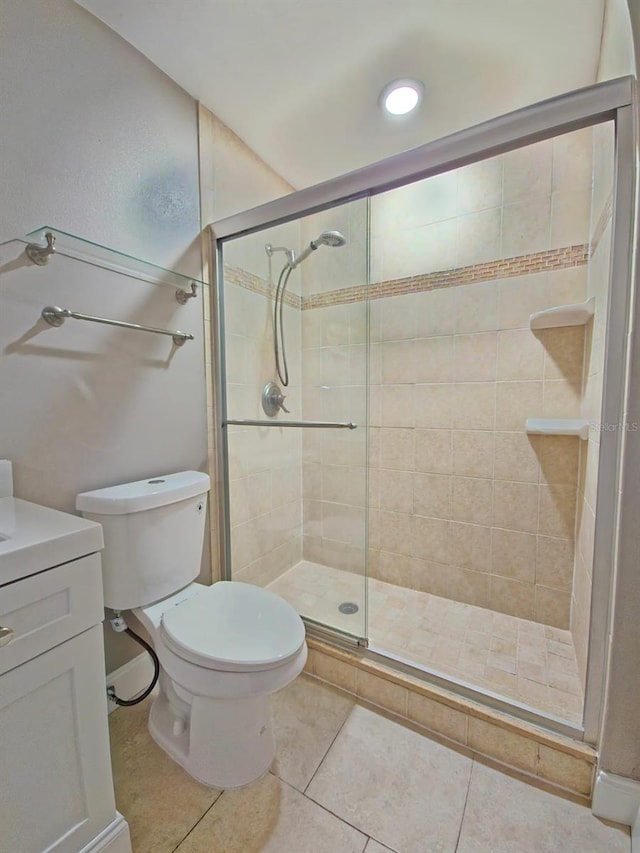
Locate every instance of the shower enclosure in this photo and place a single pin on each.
(413, 430)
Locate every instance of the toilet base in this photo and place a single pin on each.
(225, 743)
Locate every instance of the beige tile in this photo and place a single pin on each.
(335, 671)
(564, 353)
(472, 500)
(430, 577)
(561, 399)
(559, 459)
(517, 457)
(431, 539)
(525, 226)
(520, 355)
(523, 295)
(396, 449)
(505, 815)
(512, 597)
(161, 802)
(397, 532)
(474, 404)
(307, 716)
(381, 692)
(553, 606)
(432, 495)
(433, 406)
(506, 746)
(438, 717)
(434, 359)
(469, 586)
(370, 777)
(475, 357)
(473, 453)
(527, 172)
(516, 506)
(513, 555)
(434, 312)
(565, 770)
(570, 212)
(270, 816)
(396, 491)
(557, 511)
(554, 562)
(433, 452)
(476, 307)
(470, 546)
(398, 361)
(396, 406)
(515, 402)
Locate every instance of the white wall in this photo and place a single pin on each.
(98, 142)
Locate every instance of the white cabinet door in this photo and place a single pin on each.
(55, 771)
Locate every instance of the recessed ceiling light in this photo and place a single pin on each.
(401, 96)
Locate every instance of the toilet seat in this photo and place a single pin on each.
(235, 627)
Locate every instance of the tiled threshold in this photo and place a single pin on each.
(508, 742)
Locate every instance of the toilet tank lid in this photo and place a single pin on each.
(144, 494)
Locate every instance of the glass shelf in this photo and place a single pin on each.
(71, 246)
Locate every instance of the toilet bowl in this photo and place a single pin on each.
(223, 649)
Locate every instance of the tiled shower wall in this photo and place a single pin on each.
(464, 503)
(265, 465)
(597, 286)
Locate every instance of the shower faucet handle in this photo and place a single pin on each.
(273, 400)
(282, 405)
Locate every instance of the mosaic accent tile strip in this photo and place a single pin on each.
(242, 278)
(552, 259)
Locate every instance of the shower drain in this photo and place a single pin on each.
(348, 607)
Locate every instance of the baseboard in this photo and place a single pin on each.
(618, 799)
(132, 678)
(114, 839)
(635, 835)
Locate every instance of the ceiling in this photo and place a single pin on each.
(299, 81)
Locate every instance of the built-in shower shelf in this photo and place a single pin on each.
(558, 426)
(72, 246)
(577, 314)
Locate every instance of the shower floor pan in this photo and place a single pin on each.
(525, 661)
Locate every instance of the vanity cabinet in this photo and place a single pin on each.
(56, 790)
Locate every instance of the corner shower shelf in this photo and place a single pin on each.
(558, 426)
(577, 314)
(71, 246)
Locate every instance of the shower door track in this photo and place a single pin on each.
(617, 534)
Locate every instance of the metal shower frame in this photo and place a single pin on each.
(617, 533)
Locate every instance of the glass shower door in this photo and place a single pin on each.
(296, 473)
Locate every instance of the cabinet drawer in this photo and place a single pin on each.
(46, 609)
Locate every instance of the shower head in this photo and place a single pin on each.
(327, 238)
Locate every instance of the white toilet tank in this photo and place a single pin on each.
(153, 536)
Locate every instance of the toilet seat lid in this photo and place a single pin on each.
(234, 626)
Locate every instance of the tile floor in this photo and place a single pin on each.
(346, 780)
(524, 661)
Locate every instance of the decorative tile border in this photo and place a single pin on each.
(552, 259)
(549, 260)
(242, 278)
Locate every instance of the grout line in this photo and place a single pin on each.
(202, 816)
(464, 808)
(322, 760)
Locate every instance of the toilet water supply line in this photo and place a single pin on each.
(120, 627)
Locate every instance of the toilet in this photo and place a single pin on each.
(222, 649)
